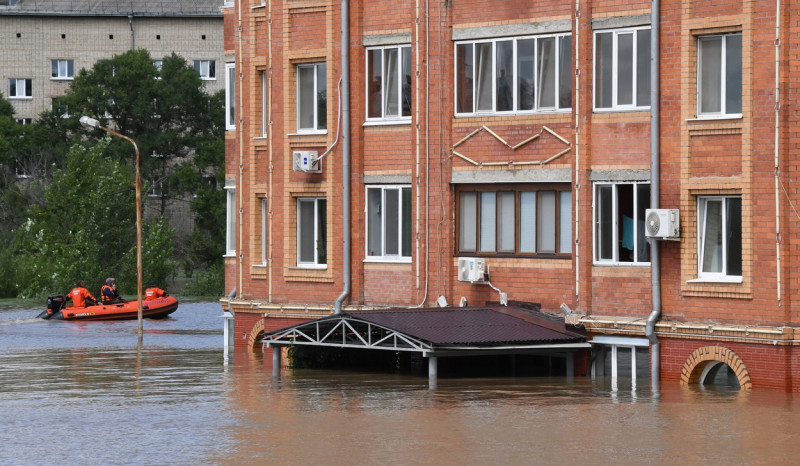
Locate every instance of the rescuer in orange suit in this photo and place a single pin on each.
(80, 296)
(153, 291)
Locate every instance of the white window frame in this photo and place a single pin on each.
(230, 96)
(382, 255)
(264, 218)
(316, 117)
(723, 112)
(230, 221)
(62, 69)
(702, 212)
(24, 121)
(319, 222)
(635, 69)
(204, 69)
(515, 106)
(264, 122)
(638, 235)
(384, 78)
(26, 87)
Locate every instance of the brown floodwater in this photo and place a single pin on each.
(88, 393)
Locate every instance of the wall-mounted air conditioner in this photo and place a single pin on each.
(471, 269)
(662, 223)
(306, 161)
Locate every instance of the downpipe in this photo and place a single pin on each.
(655, 267)
(337, 307)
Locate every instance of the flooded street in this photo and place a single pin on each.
(86, 393)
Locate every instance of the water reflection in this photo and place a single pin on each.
(90, 394)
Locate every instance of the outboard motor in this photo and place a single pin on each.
(54, 305)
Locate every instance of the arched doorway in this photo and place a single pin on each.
(716, 366)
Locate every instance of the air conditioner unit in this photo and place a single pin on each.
(662, 223)
(471, 269)
(306, 161)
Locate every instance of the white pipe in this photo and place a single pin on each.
(576, 245)
(777, 151)
(240, 173)
(270, 150)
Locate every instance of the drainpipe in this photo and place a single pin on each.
(133, 37)
(655, 268)
(337, 307)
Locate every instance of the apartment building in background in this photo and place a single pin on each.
(524, 138)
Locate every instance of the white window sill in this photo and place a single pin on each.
(388, 122)
(259, 138)
(731, 279)
(622, 109)
(61, 79)
(230, 128)
(207, 79)
(309, 267)
(620, 264)
(229, 254)
(736, 116)
(513, 114)
(308, 133)
(13, 97)
(388, 260)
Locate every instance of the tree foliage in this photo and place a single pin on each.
(85, 229)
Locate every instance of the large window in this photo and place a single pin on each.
(230, 221)
(311, 232)
(719, 70)
(527, 74)
(264, 100)
(522, 220)
(719, 220)
(619, 218)
(62, 69)
(20, 88)
(622, 69)
(206, 68)
(312, 97)
(389, 82)
(264, 220)
(389, 222)
(230, 96)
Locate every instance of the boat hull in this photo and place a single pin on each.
(154, 309)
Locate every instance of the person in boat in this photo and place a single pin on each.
(153, 291)
(80, 296)
(109, 293)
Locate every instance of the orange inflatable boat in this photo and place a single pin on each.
(154, 309)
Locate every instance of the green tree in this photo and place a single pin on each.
(85, 229)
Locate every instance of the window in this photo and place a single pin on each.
(24, 121)
(389, 82)
(523, 220)
(20, 88)
(622, 69)
(159, 64)
(311, 232)
(719, 243)
(206, 68)
(264, 122)
(264, 219)
(719, 75)
(230, 96)
(619, 218)
(389, 222)
(62, 69)
(312, 99)
(230, 220)
(527, 74)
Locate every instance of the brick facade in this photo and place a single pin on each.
(437, 153)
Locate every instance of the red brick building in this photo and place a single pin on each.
(521, 134)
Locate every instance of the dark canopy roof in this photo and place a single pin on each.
(114, 7)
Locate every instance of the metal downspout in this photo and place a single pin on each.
(655, 268)
(133, 36)
(337, 308)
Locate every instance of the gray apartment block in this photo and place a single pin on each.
(45, 42)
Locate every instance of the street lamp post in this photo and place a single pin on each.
(92, 123)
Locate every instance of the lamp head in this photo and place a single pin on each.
(89, 122)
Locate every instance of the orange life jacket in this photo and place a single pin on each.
(79, 295)
(153, 293)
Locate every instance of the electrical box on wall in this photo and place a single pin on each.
(471, 269)
(306, 161)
